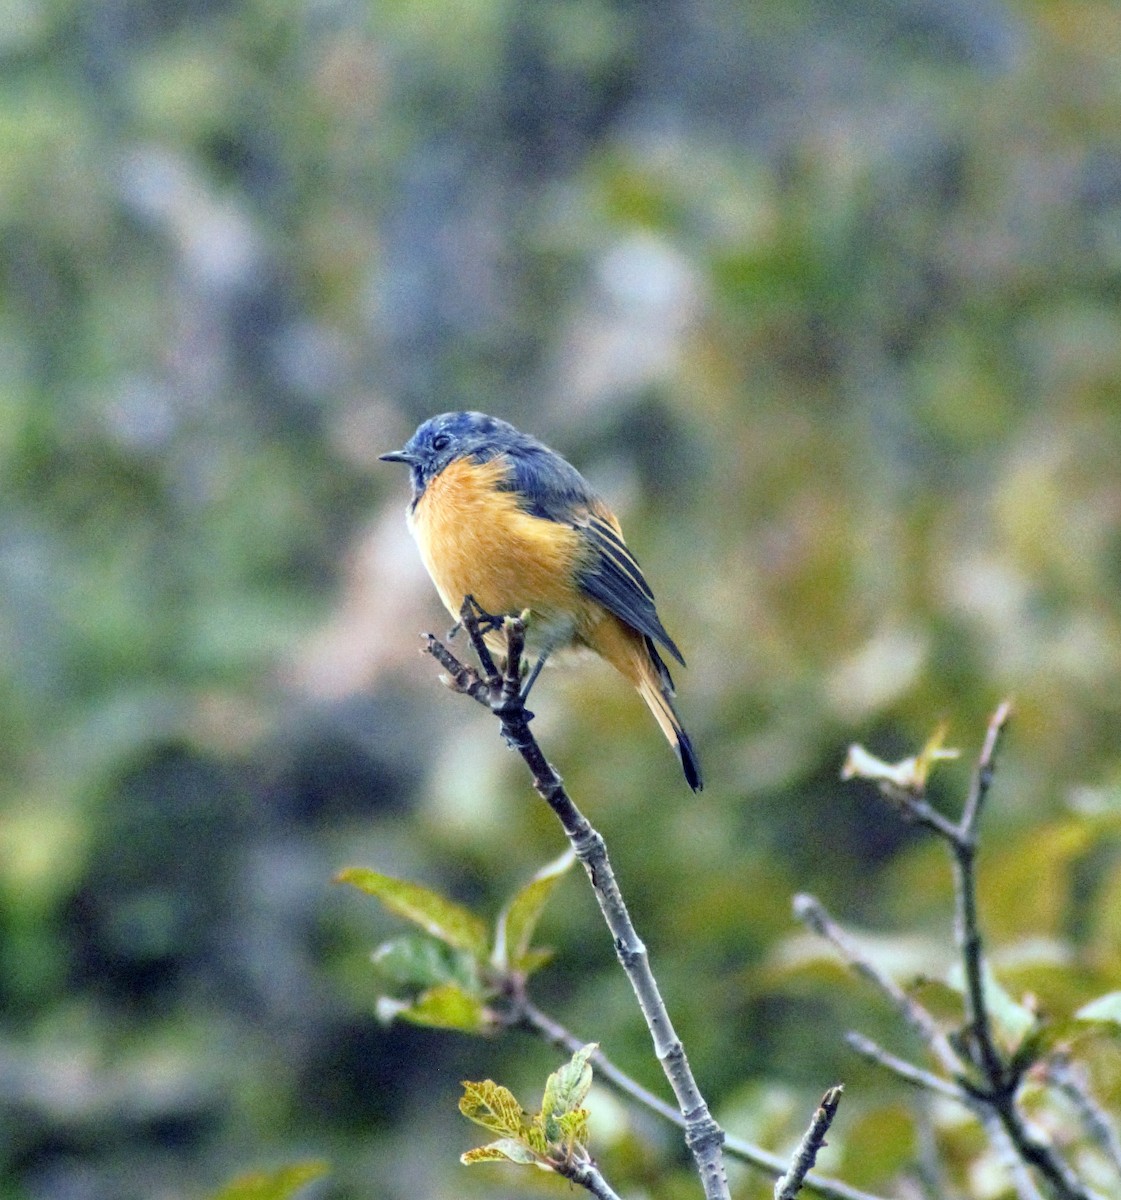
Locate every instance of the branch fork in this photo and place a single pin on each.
(502, 692)
(977, 1072)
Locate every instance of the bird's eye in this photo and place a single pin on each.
(441, 441)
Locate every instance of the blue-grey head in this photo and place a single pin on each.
(450, 436)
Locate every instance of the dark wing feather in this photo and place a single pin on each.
(549, 487)
(614, 578)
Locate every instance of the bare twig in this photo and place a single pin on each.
(1034, 1148)
(983, 775)
(774, 1164)
(1061, 1073)
(810, 911)
(916, 808)
(998, 1113)
(1022, 1180)
(906, 1071)
(703, 1135)
(963, 844)
(790, 1184)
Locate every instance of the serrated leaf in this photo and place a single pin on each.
(518, 920)
(416, 960)
(504, 1150)
(439, 916)
(566, 1089)
(447, 1006)
(535, 1137)
(1104, 1010)
(573, 1126)
(493, 1107)
(273, 1185)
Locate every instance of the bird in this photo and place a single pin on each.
(502, 519)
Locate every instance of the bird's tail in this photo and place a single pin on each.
(656, 687)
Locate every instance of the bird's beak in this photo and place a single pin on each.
(398, 456)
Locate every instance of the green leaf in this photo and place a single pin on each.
(439, 916)
(518, 920)
(535, 960)
(566, 1089)
(272, 1185)
(573, 1127)
(493, 1107)
(447, 1006)
(504, 1150)
(1105, 1009)
(416, 960)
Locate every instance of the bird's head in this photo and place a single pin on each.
(450, 436)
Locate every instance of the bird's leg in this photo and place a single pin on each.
(510, 707)
(478, 623)
(532, 679)
(485, 622)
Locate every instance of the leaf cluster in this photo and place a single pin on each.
(454, 970)
(554, 1138)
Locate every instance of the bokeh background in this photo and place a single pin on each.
(822, 294)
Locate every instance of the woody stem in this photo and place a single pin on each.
(703, 1135)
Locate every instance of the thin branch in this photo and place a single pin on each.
(964, 847)
(459, 678)
(789, 1185)
(983, 776)
(470, 617)
(995, 1097)
(961, 838)
(775, 1165)
(1002, 1078)
(916, 808)
(1022, 1181)
(810, 911)
(588, 1176)
(1061, 1073)
(906, 1071)
(703, 1135)
(531, 1018)
(1033, 1147)
(982, 1110)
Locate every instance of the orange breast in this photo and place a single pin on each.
(475, 540)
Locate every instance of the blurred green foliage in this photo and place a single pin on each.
(824, 296)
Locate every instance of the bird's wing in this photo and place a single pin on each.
(613, 577)
(551, 488)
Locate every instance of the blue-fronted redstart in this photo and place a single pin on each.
(500, 517)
